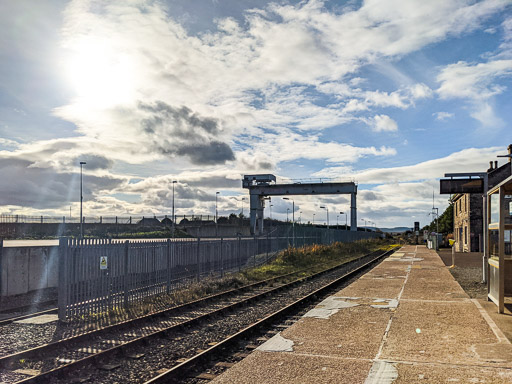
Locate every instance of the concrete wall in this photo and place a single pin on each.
(26, 269)
(223, 230)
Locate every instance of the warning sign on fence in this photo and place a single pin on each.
(103, 262)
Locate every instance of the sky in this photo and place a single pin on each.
(388, 94)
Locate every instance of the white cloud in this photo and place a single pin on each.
(8, 143)
(467, 160)
(442, 116)
(383, 123)
(472, 81)
(477, 84)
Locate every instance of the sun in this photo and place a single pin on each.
(100, 74)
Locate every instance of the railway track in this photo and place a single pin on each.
(21, 313)
(96, 356)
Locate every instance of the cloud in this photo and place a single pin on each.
(94, 162)
(245, 75)
(477, 84)
(383, 123)
(442, 116)
(467, 160)
(179, 131)
(8, 143)
(472, 81)
(24, 184)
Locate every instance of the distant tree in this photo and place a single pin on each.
(445, 222)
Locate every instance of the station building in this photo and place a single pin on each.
(468, 211)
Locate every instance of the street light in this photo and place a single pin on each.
(344, 213)
(243, 198)
(313, 218)
(300, 217)
(364, 224)
(327, 209)
(328, 228)
(173, 215)
(216, 215)
(81, 202)
(293, 217)
(287, 210)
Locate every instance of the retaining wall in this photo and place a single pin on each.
(25, 269)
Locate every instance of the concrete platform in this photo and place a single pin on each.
(406, 321)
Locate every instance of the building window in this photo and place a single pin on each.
(465, 235)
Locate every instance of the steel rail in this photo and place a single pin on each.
(60, 344)
(181, 370)
(93, 358)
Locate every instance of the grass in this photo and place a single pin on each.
(316, 257)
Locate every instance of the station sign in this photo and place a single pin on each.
(466, 185)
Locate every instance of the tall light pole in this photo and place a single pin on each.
(344, 213)
(300, 217)
(293, 217)
(216, 216)
(287, 210)
(328, 232)
(81, 202)
(364, 224)
(313, 218)
(327, 209)
(173, 215)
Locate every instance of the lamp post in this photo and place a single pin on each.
(287, 210)
(328, 231)
(313, 218)
(173, 215)
(344, 213)
(364, 224)
(293, 218)
(300, 217)
(81, 202)
(216, 215)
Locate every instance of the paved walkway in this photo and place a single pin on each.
(405, 321)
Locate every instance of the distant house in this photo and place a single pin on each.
(149, 222)
(468, 211)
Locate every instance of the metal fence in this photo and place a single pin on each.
(99, 275)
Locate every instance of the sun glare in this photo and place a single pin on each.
(100, 75)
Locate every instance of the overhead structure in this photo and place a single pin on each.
(261, 186)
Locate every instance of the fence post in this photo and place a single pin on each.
(126, 271)
(221, 259)
(198, 259)
(62, 291)
(169, 266)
